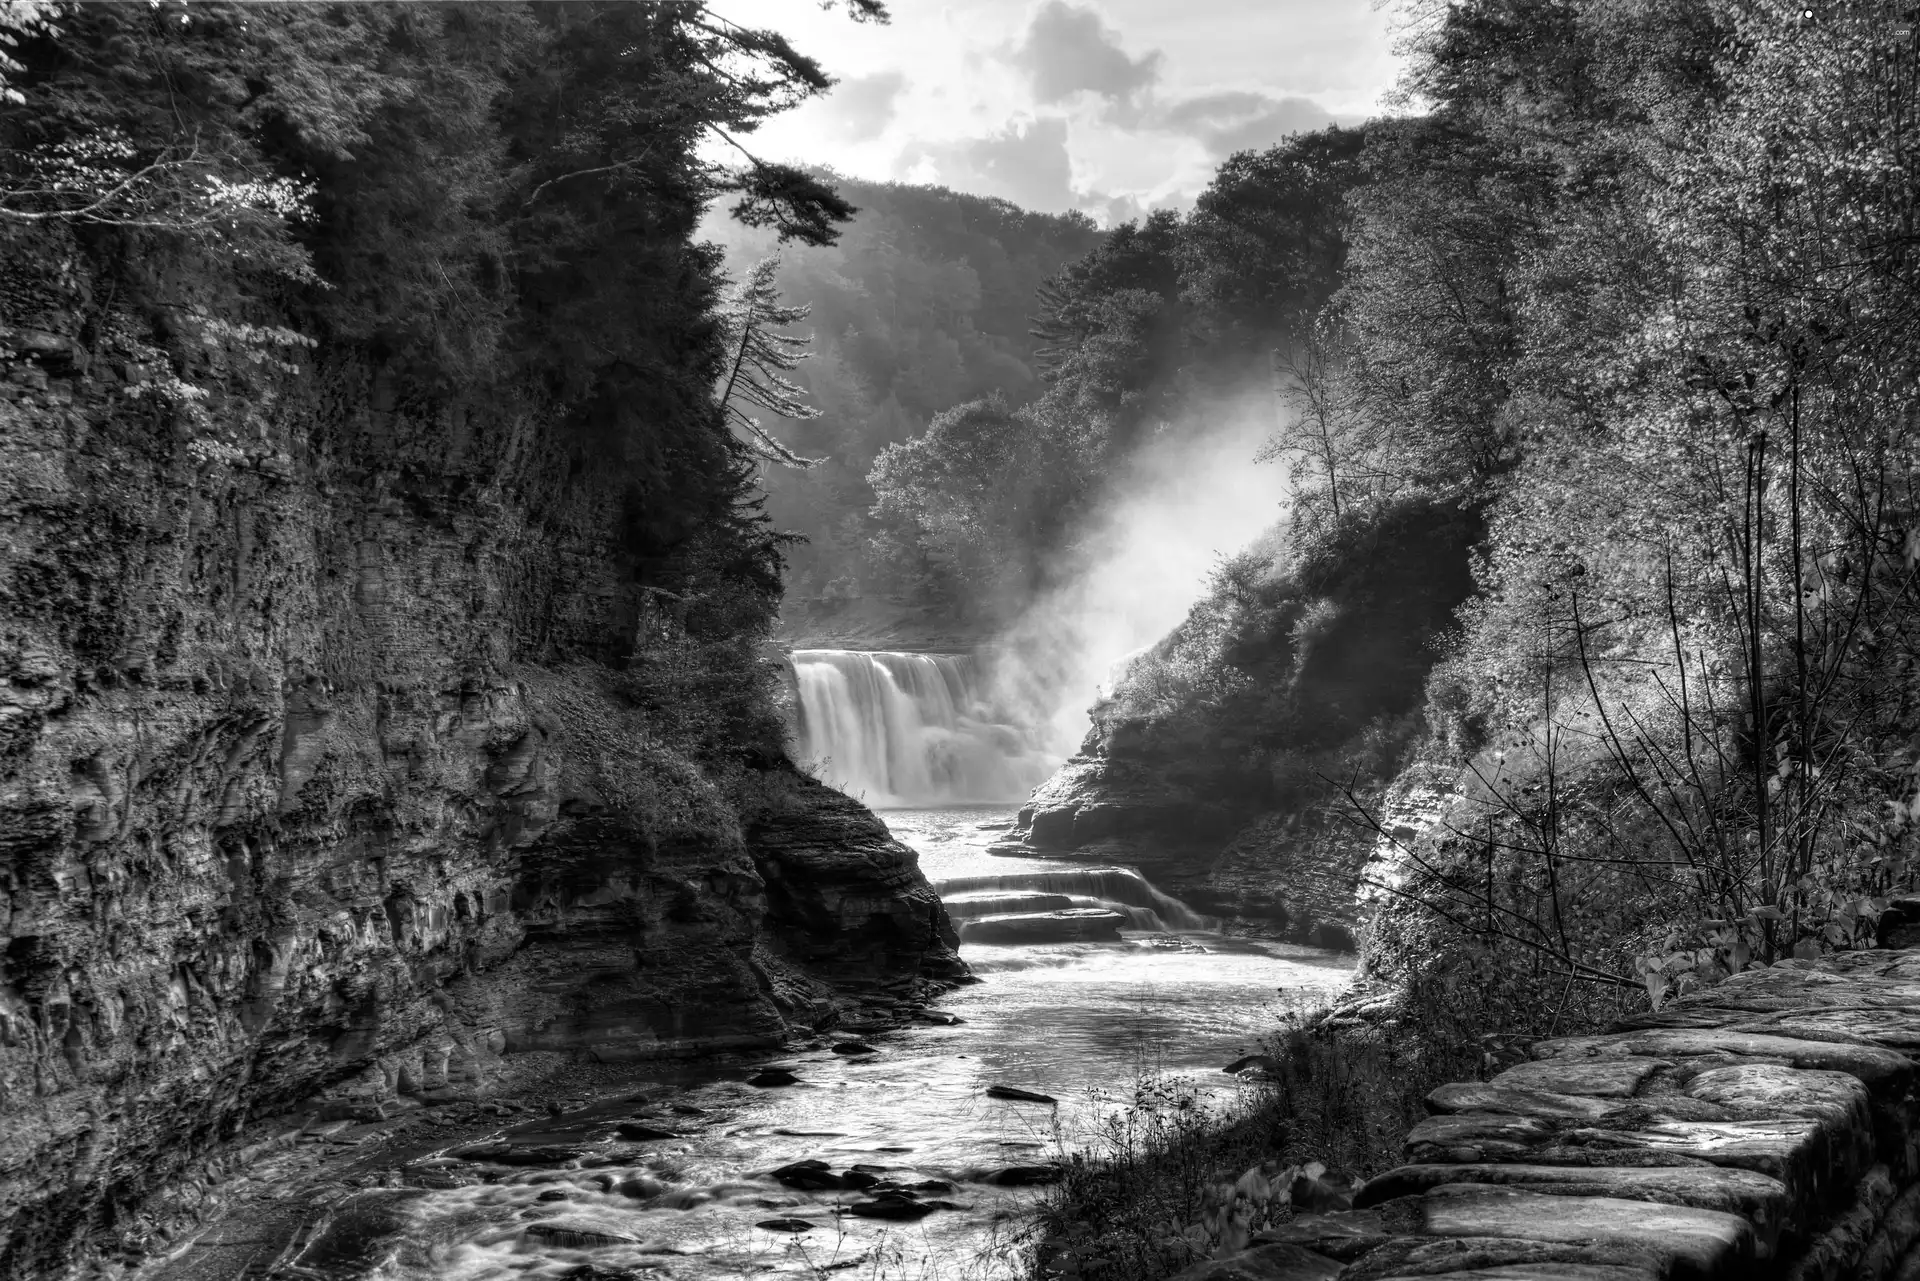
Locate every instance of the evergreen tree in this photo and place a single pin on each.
(761, 359)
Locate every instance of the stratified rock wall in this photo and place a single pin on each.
(1763, 1128)
(298, 798)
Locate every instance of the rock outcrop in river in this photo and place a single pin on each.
(318, 777)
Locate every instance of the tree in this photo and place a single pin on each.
(760, 358)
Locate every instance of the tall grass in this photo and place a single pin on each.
(1181, 1174)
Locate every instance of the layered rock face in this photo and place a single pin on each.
(1765, 1127)
(297, 801)
(1129, 804)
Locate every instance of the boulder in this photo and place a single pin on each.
(1014, 1094)
(639, 1132)
(574, 1236)
(808, 1176)
(772, 1077)
(854, 1049)
(892, 1208)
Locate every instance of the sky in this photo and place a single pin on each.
(1112, 107)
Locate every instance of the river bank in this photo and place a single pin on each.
(673, 1169)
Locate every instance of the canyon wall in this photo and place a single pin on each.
(322, 783)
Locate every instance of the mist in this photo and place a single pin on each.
(1190, 497)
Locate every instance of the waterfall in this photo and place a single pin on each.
(901, 729)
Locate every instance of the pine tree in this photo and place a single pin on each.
(762, 356)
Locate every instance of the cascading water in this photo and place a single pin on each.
(898, 729)
(1118, 889)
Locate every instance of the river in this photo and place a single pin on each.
(1080, 1022)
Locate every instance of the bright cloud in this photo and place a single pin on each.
(1113, 107)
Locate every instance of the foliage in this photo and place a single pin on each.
(1177, 1175)
(1164, 324)
(440, 207)
(920, 305)
(1635, 280)
(760, 358)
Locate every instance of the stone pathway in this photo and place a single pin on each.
(1764, 1128)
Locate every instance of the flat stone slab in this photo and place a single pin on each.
(1273, 1262)
(1701, 1243)
(1599, 1078)
(1070, 925)
(1758, 1198)
(1476, 1137)
(1543, 1272)
(1409, 1257)
(1475, 1096)
(1838, 1098)
(1870, 1063)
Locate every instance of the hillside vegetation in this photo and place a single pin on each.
(1631, 294)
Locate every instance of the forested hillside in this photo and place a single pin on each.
(923, 301)
(1164, 330)
(1631, 294)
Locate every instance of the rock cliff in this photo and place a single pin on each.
(322, 784)
(1211, 767)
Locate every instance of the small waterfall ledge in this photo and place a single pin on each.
(898, 729)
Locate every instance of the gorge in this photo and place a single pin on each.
(586, 697)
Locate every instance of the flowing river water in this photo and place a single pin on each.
(1079, 1022)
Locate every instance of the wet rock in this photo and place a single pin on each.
(1071, 925)
(640, 1188)
(687, 1109)
(1016, 1095)
(1259, 1066)
(554, 1194)
(1024, 1176)
(859, 1180)
(516, 1154)
(891, 1208)
(854, 1049)
(785, 1225)
(573, 1236)
(773, 1077)
(807, 1176)
(640, 1132)
(944, 1018)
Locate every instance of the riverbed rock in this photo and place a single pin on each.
(785, 1225)
(1014, 1094)
(773, 1077)
(941, 1018)
(854, 1049)
(640, 1132)
(808, 1176)
(1069, 925)
(574, 1236)
(892, 1208)
(976, 903)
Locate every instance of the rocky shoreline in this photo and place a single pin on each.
(301, 1193)
(1765, 1127)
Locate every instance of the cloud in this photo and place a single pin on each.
(860, 108)
(1026, 162)
(1069, 50)
(1240, 120)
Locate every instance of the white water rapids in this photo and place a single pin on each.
(898, 729)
